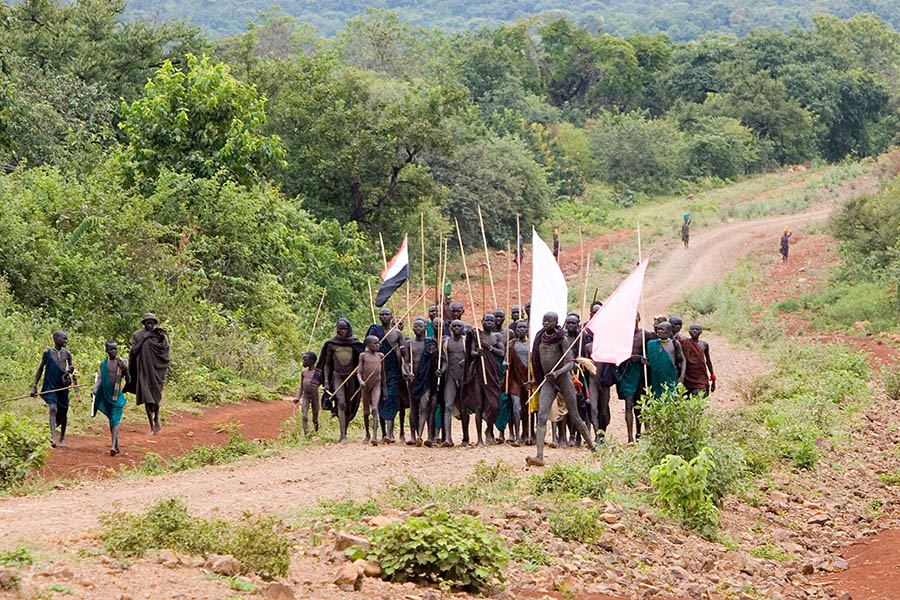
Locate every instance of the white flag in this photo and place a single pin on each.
(549, 292)
(613, 325)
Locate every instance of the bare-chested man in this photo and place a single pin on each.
(308, 393)
(420, 373)
(699, 377)
(390, 402)
(453, 373)
(552, 361)
(370, 375)
(482, 391)
(517, 383)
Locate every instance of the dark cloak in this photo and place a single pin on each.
(425, 371)
(148, 362)
(393, 374)
(475, 380)
(352, 383)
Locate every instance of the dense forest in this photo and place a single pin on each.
(226, 182)
(682, 21)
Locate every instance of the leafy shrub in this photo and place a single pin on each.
(677, 423)
(728, 468)
(683, 490)
(23, 448)
(890, 377)
(577, 480)
(256, 542)
(579, 523)
(453, 550)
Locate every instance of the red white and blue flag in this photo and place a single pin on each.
(394, 274)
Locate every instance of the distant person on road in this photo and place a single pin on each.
(785, 244)
(686, 230)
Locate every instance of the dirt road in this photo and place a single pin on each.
(302, 477)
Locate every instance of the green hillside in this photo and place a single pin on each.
(680, 20)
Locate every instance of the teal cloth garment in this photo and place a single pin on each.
(663, 374)
(106, 402)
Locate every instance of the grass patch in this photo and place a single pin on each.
(20, 556)
(235, 582)
(531, 555)
(890, 478)
(579, 523)
(59, 589)
(257, 543)
(487, 484)
(771, 552)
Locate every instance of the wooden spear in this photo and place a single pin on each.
(319, 310)
(487, 256)
(462, 252)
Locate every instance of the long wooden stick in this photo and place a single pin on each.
(519, 268)
(409, 324)
(371, 300)
(389, 331)
(445, 250)
(643, 334)
(422, 237)
(462, 252)
(487, 256)
(584, 273)
(319, 310)
(70, 387)
(508, 309)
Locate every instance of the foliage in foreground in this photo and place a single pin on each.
(256, 542)
(575, 522)
(683, 489)
(453, 550)
(23, 449)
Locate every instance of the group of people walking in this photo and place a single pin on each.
(144, 375)
(512, 386)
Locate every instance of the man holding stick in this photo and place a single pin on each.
(393, 368)
(335, 370)
(552, 362)
(57, 370)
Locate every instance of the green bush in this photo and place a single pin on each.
(577, 480)
(257, 543)
(682, 488)
(19, 557)
(23, 449)
(677, 423)
(201, 456)
(578, 523)
(452, 550)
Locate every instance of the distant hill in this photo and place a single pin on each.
(682, 20)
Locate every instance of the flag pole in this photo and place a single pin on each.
(585, 267)
(508, 309)
(643, 331)
(487, 257)
(462, 253)
(371, 300)
(422, 238)
(319, 310)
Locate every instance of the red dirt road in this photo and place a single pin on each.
(89, 455)
(874, 572)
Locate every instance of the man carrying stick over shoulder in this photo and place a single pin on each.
(56, 367)
(552, 362)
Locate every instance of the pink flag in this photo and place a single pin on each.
(613, 325)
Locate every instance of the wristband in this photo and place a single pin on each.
(712, 377)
